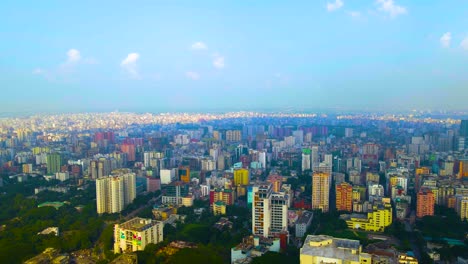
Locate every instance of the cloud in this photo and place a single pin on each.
(38, 71)
(73, 56)
(64, 69)
(446, 39)
(334, 6)
(129, 64)
(464, 43)
(199, 46)
(192, 75)
(354, 14)
(388, 6)
(218, 61)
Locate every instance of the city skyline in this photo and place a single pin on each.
(210, 56)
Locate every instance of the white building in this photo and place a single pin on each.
(113, 193)
(62, 176)
(269, 211)
(136, 233)
(306, 162)
(167, 176)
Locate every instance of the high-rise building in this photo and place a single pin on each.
(306, 159)
(261, 213)
(298, 136)
(233, 135)
(167, 176)
(461, 206)
(425, 203)
(314, 156)
(54, 162)
(321, 191)
(279, 213)
(464, 128)
(344, 197)
(463, 169)
(241, 177)
(184, 174)
(175, 192)
(113, 193)
(130, 149)
(136, 233)
(269, 211)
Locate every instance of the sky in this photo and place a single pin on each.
(158, 56)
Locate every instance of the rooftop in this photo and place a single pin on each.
(331, 247)
(138, 224)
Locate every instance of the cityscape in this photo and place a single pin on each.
(314, 132)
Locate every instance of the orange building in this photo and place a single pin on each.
(276, 181)
(344, 197)
(463, 173)
(184, 174)
(425, 203)
(451, 202)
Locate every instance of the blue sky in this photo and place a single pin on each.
(233, 55)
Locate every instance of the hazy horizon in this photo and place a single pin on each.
(376, 55)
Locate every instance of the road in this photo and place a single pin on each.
(413, 240)
(141, 208)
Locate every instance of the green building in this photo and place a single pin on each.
(54, 162)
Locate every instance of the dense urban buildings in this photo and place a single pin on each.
(278, 179)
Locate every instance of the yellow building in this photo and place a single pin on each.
(184, 174)
(463, 173)
(405, 259)
(376, 220)
(461, 206)
(321, 191)
(163, 212)
(372, 177)
(241, 177)
(327, 249)
(39, 150)
(187, 201)
(27, 168)
(219, 208)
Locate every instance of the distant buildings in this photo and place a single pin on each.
(136, 233)
(115, 192)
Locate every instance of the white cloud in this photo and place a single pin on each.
(192, 75)
(38, 71)
(73, 56)
(334, 6)
(464, 43)
(218, 61)
(388, 6)
(199, 46)
(129, 64)
(354, 14)
(446, 39)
